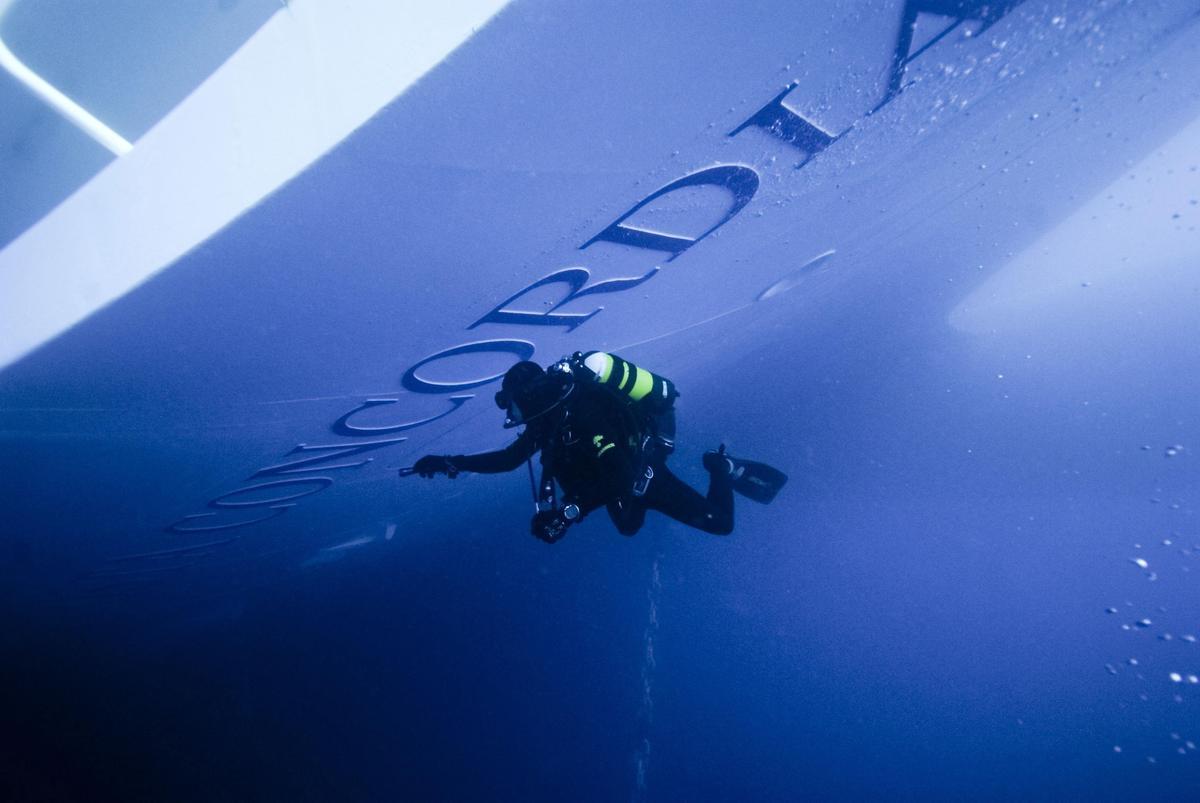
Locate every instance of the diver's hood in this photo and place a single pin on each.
(535, 400)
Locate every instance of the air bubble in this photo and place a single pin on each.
(1141, 563)
(1175, 677)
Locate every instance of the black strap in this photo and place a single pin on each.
(532, 483)
(547, 499)
(543, 495)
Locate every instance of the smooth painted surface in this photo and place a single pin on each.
(308, 77)
(125, 63)
(962, 320)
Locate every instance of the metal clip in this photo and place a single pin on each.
(639, 487)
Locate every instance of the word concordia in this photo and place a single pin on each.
(273, 490)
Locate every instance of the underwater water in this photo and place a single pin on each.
(936, 260)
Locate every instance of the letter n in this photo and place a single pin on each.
(323, 453)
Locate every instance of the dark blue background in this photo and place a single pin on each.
(962, 410)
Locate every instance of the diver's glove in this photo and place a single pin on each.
(551, 525)
(548, 526)
(432, 464)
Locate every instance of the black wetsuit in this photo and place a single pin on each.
(592, 448)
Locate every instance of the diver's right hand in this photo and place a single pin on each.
(432, 464)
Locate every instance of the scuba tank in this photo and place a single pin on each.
(651, 392)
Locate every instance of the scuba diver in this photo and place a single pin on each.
(605, 428)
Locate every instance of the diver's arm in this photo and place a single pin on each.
(505, 459)
(499, 461)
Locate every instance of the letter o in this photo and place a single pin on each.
(522, 349)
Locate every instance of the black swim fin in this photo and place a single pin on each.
(751, 479)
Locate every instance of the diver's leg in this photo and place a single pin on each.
(628, 513)
(670, 495)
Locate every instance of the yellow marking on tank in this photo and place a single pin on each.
(642, 385)
(624, 375)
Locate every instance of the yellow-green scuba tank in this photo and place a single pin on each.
(650, 391)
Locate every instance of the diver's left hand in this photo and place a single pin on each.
(549, 526)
